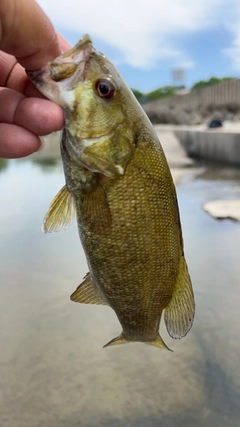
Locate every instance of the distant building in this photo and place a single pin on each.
(178, 77)
(181, 90)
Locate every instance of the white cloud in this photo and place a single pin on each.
(233, 25)
(233, 53)
(143, 32)
(188, 64)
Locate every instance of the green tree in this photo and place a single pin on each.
(212, 81)
(162, 92)
(139, 95)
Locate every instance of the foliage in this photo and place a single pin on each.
(167, 91)
(212, 81)
(162, 92)
(3, 164)
(139, 95)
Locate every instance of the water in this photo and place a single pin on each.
(53, 370)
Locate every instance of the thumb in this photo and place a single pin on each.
(27, 33)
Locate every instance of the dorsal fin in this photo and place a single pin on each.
(88, 293)
(179, 313)
(61, 212)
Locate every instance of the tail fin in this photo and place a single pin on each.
(121, 340)
(158, 342)
(116, 341)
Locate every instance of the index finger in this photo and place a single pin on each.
(13, 76)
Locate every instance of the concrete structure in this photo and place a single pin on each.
(217, 145)
(217, 95)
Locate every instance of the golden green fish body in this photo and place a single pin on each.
(118, 180)
(133, 241)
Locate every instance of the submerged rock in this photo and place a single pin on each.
(222, 209)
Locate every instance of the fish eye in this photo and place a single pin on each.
(105, 89)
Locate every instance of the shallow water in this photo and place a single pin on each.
(53, 370)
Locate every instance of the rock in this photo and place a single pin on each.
(222, 209)
(229, 117)
(195, 119)
(236, 117)
(216, 116)
(233, 107)
(160, 115)
(182, 118)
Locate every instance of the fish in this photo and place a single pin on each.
(119, 187)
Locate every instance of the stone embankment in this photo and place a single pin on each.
(198, 106)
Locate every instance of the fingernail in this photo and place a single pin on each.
(42, 143)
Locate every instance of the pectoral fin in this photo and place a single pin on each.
(179, 313)
(87, 293)
(61, 213)
(95, 212)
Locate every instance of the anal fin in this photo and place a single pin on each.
(87, 293)
(179, 314)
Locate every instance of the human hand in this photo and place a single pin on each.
(27, 40)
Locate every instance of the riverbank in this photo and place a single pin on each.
(218, 145)
(179, 162)
(198, 106)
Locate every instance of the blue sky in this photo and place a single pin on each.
(147, 39)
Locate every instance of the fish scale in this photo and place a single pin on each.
(119, 183)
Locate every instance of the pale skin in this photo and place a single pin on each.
(27, 41)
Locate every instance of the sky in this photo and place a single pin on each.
(148, 39)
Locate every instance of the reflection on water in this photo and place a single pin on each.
(53, 370)
(46, 163)
(3, 164)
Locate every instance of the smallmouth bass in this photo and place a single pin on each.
(119, 183)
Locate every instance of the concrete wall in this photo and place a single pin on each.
(219, 94)
(214, 145)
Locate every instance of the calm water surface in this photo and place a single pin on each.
(53, 370)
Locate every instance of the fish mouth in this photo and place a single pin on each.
(33, 74)
(60, 75)
(38, 76)
(79, 54)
